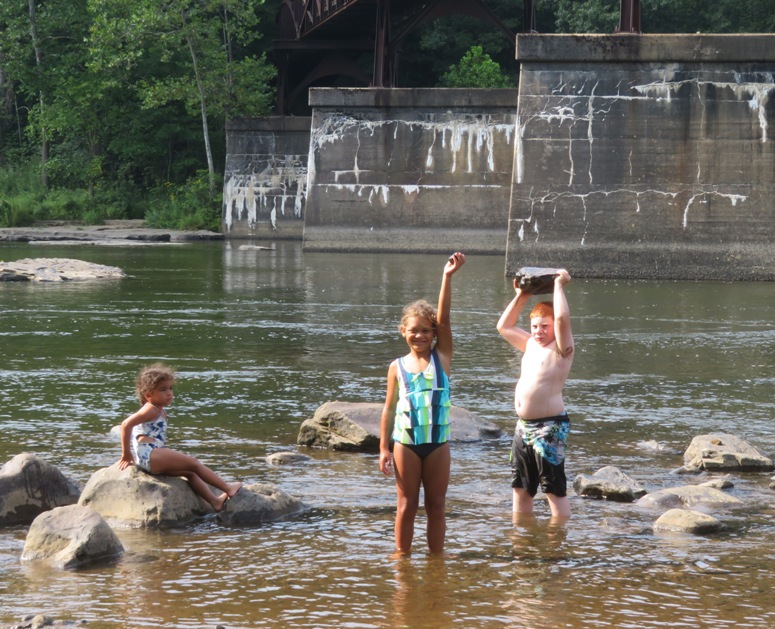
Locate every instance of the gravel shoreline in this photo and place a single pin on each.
(111, 233)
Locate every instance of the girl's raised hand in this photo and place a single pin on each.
(455, 261)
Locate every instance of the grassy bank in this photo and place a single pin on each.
(25, 202)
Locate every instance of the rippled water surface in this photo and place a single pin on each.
(261, 338)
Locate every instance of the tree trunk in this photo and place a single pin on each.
(39, 63)
(203, 107)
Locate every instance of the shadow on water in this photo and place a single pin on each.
(261, 338)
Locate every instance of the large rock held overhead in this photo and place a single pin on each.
(534, 280)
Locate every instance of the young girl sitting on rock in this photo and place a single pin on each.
(144, 438)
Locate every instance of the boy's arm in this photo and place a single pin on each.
(562, 329)
(443, 327)
(388, 420)
(507, 324)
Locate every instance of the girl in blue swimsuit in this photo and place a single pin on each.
(415, 418)
(144, 440)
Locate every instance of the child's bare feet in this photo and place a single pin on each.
(220, 502)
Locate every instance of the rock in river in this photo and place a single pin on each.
(56, 270)
(71, 537)
(29, 486)
(720, 451)
(354, 427)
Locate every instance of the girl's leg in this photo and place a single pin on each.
(203, 489)
(435, 480)
(408, 467)
(174, 463)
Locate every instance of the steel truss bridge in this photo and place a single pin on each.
(326, 38)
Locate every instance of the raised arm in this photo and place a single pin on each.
(443, 327)
(562, 330)
(507, 324)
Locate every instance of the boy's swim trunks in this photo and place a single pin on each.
(538, 455)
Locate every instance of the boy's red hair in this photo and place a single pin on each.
(543, 309)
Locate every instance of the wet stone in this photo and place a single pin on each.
(535, 280)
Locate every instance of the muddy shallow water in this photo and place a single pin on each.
(262, 338)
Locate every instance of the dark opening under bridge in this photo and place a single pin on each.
(323, 38)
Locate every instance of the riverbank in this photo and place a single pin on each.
(123, 232)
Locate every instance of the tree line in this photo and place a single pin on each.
(114, 109)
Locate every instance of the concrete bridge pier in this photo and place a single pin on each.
(645, 156)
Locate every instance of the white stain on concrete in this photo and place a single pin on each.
(463, 138)
(280, 188)
(755, 93)
(540, 204)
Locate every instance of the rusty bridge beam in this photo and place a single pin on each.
(629, 16)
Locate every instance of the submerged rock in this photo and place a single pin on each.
(610, 483)
(260, 503)
(722, 482)
(720, 451)
(29, 486)
(56, 270)
(687, 521)
(71, 537)
(354, 427)
(688, 496)
(287, 458)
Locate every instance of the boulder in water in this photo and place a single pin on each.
(56, 270)
(687, 521)
(721, 451)
(689, 496)
(29, 486)
(610, 483)
(71, 537)
(354, 427)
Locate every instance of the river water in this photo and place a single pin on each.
(262, 338)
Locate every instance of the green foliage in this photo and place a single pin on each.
(476, 69)
(187, 206)
(104, 101)
(17, 211)
(662, 16)
(586, 16)
(16, 179)
(719, 16)
(428, 51)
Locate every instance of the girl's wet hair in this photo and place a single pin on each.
(543, 309)
(420, 309)
(150, 377)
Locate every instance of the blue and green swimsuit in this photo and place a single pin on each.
(422, 411)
